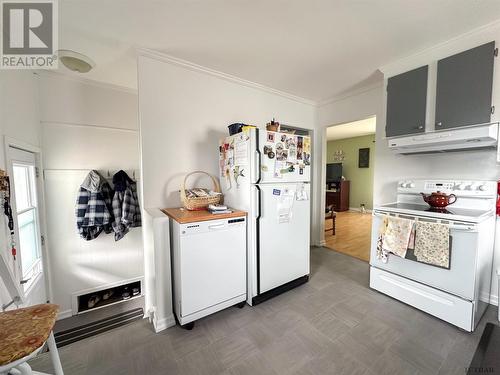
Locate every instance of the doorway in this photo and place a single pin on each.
(349, 168)
(26, 203)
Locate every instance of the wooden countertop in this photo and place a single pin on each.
(183, 216)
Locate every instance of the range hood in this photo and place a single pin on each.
(467, 138)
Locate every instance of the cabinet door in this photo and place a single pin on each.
(464, 86)
(406, 102)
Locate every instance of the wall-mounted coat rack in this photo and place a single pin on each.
(106, 173)
(109, 174)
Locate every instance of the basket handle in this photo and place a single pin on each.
(214, 181)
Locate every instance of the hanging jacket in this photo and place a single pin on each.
(94, 212)
(126, 211)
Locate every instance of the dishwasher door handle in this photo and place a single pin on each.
(217, 226)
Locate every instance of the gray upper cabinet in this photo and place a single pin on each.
(464, 87)
(406, 102)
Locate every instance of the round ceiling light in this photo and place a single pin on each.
(75, 61)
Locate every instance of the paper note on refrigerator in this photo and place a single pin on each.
(301, 194)
(241, 153)
(285, 205)
(279, 166)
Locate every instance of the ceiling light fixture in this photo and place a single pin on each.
(75, 61)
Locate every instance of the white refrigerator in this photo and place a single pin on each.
(268, 174)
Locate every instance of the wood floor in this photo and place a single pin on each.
(334, 324)
(353, 234)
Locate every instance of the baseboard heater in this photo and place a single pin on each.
(72, 335)
(105, 296)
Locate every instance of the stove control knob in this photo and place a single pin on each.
(410, 185)
(482, 187)
(461, 187)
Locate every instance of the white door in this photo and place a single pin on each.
(459, 279)
(25, 209)
(212, 263)
(284, 234)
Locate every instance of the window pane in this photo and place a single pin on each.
(28, 240)
(21, 187)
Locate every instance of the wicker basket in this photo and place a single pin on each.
(200, 203)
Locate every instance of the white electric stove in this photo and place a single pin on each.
(460, 294)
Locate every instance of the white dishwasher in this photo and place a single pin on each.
(209, 265)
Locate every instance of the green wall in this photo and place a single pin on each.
(361, 178)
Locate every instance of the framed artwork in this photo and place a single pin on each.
(364, 158)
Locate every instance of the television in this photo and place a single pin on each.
(333, 172)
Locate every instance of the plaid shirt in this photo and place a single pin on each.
(94, 212)
(126, 211)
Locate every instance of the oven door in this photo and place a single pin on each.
(459, 279)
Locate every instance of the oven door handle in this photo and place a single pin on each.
(455, 227)
(463, 228)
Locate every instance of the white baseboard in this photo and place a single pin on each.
(491, 298)
(64, 314)
(162, 324)
(321, 243)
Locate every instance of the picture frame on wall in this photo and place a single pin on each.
(364, 158)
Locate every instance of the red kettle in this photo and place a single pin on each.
(439, 199)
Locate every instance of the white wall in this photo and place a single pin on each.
(388, 168)
(184, 113)
(19, 119)
(85, 126)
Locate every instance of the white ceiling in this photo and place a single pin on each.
(315, 49)
(351, 129)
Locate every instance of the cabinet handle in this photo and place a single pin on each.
(439, 123)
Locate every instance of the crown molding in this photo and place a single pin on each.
(85, 81)
(160, 56)
(422, 55)
(350, 94)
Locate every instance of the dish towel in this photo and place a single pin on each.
(432, 244)
(394, 237)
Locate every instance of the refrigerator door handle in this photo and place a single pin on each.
(259, 203)
(257, 235)
(257, 157)
(257, 167)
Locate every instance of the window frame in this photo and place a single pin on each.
(39, 289)
(34, 272)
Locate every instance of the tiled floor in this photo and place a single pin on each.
(353, 234)
(332, 325)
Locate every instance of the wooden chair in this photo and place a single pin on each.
(23, 333)
(330, 214)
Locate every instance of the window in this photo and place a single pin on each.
(29, 249)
